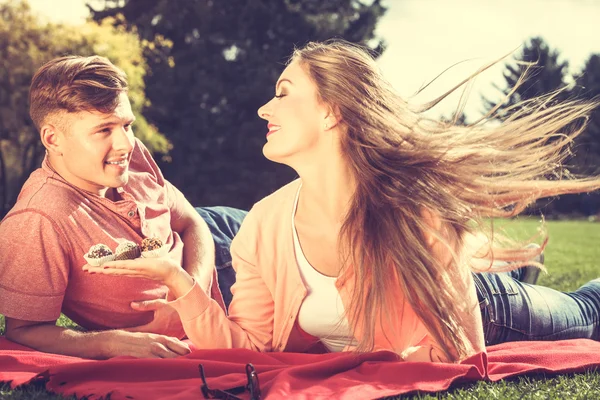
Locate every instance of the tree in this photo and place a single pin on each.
(223, 64)
(545, 74)
(26, 44)
(588, 145)
(456, 118)
(587, 148)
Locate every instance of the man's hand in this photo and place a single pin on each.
(143, 345)
(166, 319)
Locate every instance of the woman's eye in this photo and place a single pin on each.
(279, 96)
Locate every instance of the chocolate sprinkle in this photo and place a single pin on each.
(99, 251)
(149, 244)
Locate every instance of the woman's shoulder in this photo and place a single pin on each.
(267, 221)
(278, 202)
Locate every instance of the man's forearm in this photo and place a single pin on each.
(50, 338)
(199, 253)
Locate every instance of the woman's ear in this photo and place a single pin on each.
(332, 118)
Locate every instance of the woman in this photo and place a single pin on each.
(373, 246)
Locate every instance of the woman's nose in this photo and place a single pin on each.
(264, 112)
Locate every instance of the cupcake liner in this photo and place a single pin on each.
(130, 254)
(156, 253)
(97, 262)
(127, 250)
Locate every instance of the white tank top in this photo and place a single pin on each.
(322, 311)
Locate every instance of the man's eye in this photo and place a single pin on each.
(127, 127)
(105, 130)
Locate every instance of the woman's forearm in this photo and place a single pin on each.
(179, 283)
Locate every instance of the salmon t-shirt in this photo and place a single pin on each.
(53, 224)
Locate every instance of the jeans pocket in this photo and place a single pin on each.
(487, 321)
(505, 287)
(484, 307)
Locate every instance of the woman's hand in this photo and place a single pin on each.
(166, 319)
(162, 269)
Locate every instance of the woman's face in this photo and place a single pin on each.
(296, 118)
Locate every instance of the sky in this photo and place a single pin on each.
(424, 37)
(427, 36)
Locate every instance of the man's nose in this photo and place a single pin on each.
(123, 139)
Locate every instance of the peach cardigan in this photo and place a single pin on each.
(269, 291)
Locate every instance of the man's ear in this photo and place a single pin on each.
(332, 118)
(52, 138)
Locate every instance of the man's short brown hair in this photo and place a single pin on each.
(73, 84)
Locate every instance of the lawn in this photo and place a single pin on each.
(571, 258)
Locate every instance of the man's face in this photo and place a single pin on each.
(96, 148)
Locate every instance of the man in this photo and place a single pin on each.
(98, 185)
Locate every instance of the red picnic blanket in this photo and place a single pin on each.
(287, 375)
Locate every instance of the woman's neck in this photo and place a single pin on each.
(326, 191)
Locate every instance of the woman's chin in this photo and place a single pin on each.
(270, 154)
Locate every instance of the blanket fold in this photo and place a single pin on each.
(287, 375)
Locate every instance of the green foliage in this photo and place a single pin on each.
(456, 118)
(545, 74)
(26, 44)
(588, 145)
(223, 63)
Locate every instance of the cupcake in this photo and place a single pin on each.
(98, 254)
(153, 248)
(127, 251)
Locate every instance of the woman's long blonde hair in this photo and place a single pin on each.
(405, 163)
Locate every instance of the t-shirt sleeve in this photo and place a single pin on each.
(142, 160)
(176, 201)
(34, 267)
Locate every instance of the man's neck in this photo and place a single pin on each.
(112, 194)
(58, 168)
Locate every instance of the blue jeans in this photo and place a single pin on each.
(516, 311)
(510, 310)
(223, 222)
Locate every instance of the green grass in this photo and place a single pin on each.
(572, 258)
(573, 386)
(62, 321)
(29, 392)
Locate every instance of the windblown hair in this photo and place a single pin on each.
(406, 166)
(72, 84)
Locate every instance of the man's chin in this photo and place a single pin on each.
(121, 181)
